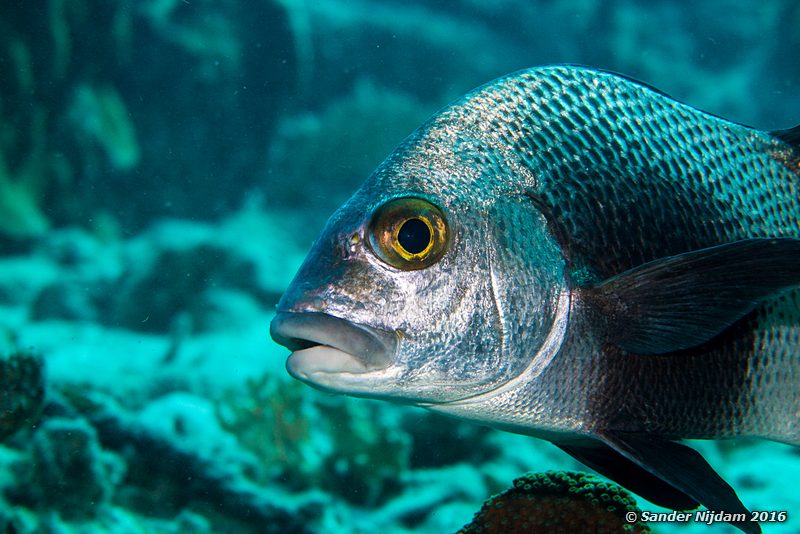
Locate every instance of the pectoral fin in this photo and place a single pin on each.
(683, 301)
(790, 136)
(664, 472)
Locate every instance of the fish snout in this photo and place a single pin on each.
(322, 344)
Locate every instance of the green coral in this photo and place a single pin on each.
(558, 502)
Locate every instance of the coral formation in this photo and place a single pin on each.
(194, 271)
(66, 470)
(554, 502)
(21, 392)
(101, 114)
(22, 185)
(349, 450)
(267, 418)
(179, 462)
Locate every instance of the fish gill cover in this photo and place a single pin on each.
(164, 168)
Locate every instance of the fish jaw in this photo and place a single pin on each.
(334, 354)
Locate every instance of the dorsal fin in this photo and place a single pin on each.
(623, 76)
(790, 136)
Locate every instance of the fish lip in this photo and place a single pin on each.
(324, 344)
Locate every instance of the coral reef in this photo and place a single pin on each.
(21, 392)
(202, 274)
(175, 465)
(177, 278)
(267, 417)
(65, 471)
(22, 185)
(93, 466)
(554, 502)
(349, 450)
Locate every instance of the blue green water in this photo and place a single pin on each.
(164, 167)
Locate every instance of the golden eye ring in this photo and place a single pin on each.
(408, 233)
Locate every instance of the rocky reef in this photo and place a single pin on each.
(22, 386)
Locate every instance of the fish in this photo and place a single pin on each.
(573, 255)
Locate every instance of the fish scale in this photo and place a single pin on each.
(672, 131)
(620, 271)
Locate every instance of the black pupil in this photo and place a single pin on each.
(414, 236)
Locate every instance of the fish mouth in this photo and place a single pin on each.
(332, 353)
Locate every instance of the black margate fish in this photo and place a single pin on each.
(570, 254)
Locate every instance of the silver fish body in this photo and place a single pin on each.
(570, 254)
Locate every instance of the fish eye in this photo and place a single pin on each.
(408, 233)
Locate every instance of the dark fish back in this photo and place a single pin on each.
(629, 176)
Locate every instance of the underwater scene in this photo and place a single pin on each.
(166, 166)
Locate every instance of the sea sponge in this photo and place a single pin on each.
(557, 501)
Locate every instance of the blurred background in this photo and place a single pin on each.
(164, 167)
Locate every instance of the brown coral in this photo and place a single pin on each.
(557, 501)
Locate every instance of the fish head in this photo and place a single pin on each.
(436, 282)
